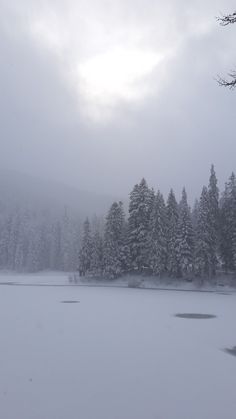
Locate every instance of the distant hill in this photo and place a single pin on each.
(22, 189)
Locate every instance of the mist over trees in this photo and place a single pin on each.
(157, 238)
(32, 241)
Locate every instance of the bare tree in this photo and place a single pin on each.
(225, 20)
(230, 82)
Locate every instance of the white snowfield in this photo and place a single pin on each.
(118, 353)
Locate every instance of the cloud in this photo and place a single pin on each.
(163, 115)
(102, 46)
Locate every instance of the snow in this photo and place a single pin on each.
(58, 278)
(119, 353)
(41, 278)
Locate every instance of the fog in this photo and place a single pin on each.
(98, 94)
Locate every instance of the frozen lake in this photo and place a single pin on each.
(116, 354)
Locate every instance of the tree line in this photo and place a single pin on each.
(157, 237)
(164, 238)
(33, 240)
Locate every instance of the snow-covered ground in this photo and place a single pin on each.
(116, 354)
(51, 278)
(41, 278)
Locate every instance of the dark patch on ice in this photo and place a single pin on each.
(231, 351)
(224, 293)
(69, 301)
(195, 316)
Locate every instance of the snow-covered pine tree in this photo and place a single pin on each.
(228, 223)
(85, 250)
(13, 238)
(158, 240)
(194, 214)
(97, 254)
(172, 225)
(5, 239)
(234, 248)
(34, 258)
(213, 222)
(140, 209)
(66, 239)
(133, 225)
(45, 242)
(203, 243)
(75, 243)
(22, 242)
(125, 250)
(55, 246)
(113, 241)
(185, 242)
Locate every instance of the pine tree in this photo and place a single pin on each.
(13, 238)
(85, 253)
(55, 246)
(234, 248)
(158, 239)
(228, 223)
(213, 221)
(75, 243)
(125, 250)
(140, 209)
(113, 241)
(172, 225)
(4, 240)
(203, 250)
(34, 259)
(19, 252)
(194, 214)
(44, 243)
(66, 239)
(185, 242)
(97, 254)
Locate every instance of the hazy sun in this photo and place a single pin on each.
(116, 75)
(101, 80)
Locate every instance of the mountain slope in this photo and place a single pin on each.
(22, 189)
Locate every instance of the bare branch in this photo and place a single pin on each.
(227, 19)
(231, 83)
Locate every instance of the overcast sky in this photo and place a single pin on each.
(100, 93)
